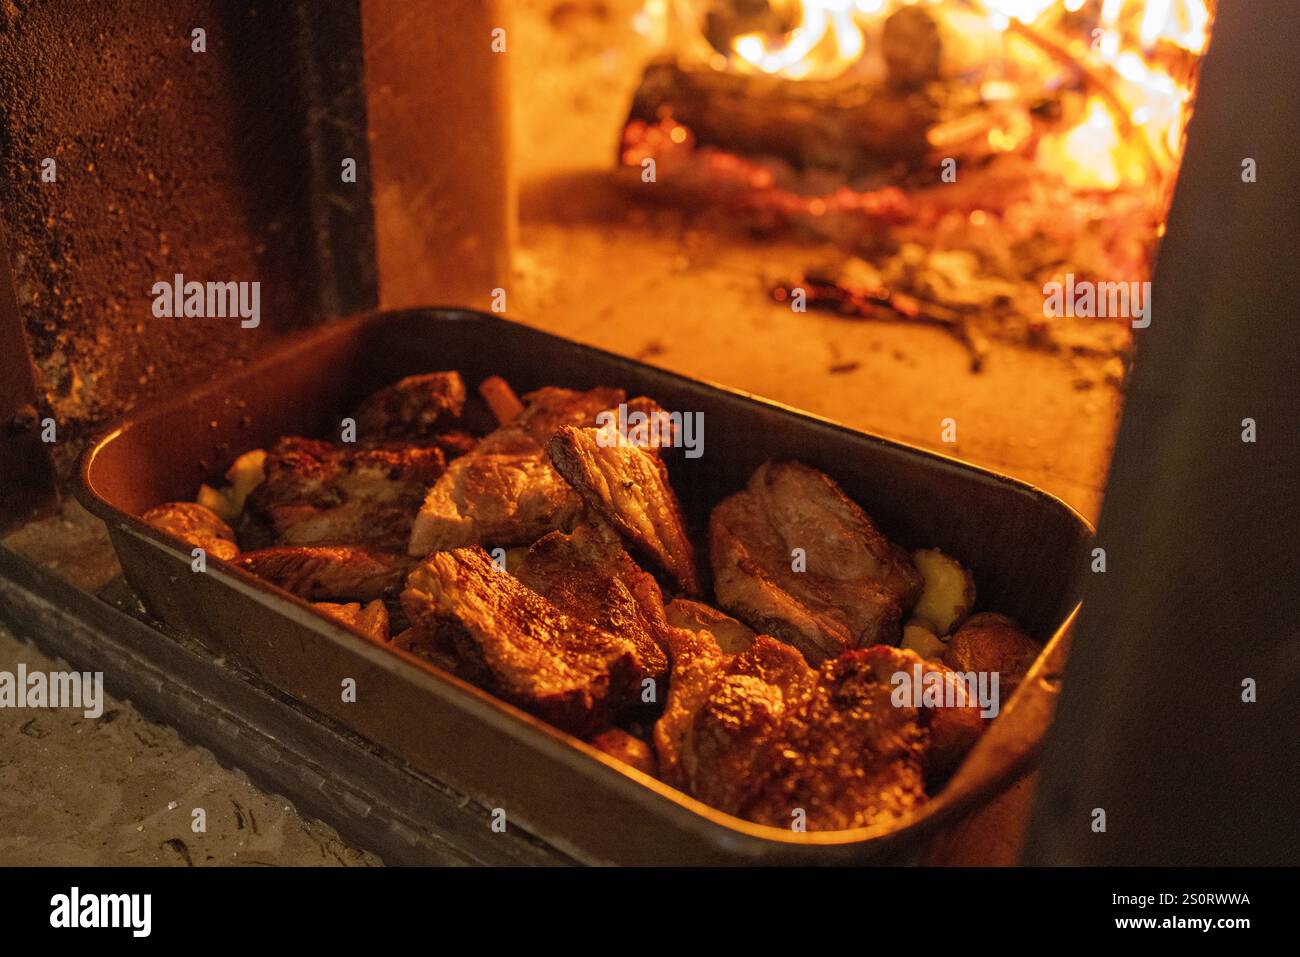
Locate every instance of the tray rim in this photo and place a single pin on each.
(948, 804)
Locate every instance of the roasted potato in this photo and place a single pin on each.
(992, 642)
(918, 637)
(217, 501)
(948, 594)
(246, 474)
(617, 743)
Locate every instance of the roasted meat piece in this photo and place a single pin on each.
(991, 642)
(431, 648)
(330, 573)
(498, 499)
(731, 635)
(452, 444)
(416, 409)
(852, 757)
(195, 524)
(628, 487)
(765, 737)
(520, 646)
(370, 619)
(721, 713)
(641, 421)
(316, 493)
(590, 576)
(854, 586)
(550, 408)
(505, 491)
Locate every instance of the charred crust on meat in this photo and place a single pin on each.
(628, 487)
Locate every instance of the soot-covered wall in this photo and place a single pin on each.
(222, 165)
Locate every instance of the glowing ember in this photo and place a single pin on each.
(1087, 155)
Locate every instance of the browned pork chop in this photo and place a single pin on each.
(504, 492)
(765, 737)
(316, 493)
(331, 572)
(518, 645)
(627, 485)
(417, 409)
(854, 586)
(590, 576)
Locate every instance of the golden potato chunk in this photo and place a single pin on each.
(246, 474)
(918, 637)
(948, 594)
(227, 502)
(617, 743)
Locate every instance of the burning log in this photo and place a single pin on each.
(847, 124)
(841, 124)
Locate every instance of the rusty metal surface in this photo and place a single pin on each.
(1025, 549)
(167, 160)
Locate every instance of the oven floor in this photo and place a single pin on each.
(121, 790)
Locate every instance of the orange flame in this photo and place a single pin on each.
(1135, 48)
(826, 42)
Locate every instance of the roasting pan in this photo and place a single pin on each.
(1025, 548)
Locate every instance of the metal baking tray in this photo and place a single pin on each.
(1024, 547)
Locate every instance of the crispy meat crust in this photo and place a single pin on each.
(520, 646)
(196, 525)
(855, 588)
(415, 409)
(316, 493)
(505, 492)
(590, 576)
(763, 736)
(628, 487)
(330, 572)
